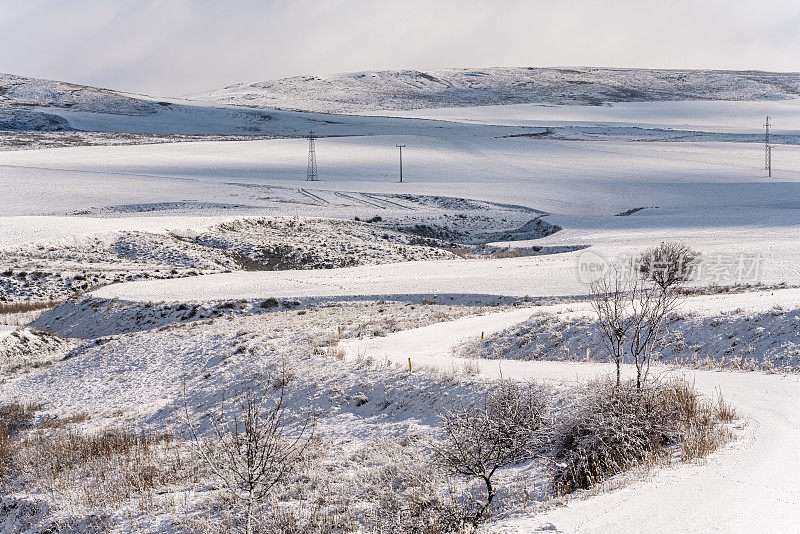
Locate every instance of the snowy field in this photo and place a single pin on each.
(714, 116)
(712, 195)
(186, 268)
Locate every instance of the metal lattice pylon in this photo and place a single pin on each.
(767, 151)
(311, 172)
(766, 145)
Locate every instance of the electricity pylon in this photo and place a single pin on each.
(767, 151)
(311, 172)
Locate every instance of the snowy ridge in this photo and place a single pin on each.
(413, 89)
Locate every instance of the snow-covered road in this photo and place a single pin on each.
(750, 486)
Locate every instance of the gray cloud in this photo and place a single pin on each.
(172, 47)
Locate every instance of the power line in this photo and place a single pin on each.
(311, 171)
(401, 161)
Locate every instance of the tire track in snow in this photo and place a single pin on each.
(397, 204)
(313, 197)
(349, 197)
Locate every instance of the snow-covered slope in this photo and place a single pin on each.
(47, 105)
(22, 92)
(413, 89)
(21, 98)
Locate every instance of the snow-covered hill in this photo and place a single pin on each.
(413, 89)
(32, 104)
(559, 103)
(20, 92)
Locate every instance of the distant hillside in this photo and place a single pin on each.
(412, 89)
(21, 96)
(33, 104)
(20, 92)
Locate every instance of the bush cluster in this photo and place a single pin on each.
(616, 427)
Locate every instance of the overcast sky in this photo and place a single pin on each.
(175, 47)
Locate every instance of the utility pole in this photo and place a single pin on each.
(401, 161)
(311, 171)
(769, 161)
(767, 150)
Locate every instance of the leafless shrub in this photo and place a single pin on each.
(616, 427)
(505, 430)
(612, 429)
(385, 485)
(252, 451)
(609, 300)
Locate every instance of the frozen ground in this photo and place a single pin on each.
(139, 380)
(361, 395)
(561, 177)
(63, 267)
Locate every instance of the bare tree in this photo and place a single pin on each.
(633, 306)
(609, 297)
(253, 451)
(649, 308)
(505, 430)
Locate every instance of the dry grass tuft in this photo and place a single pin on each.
(14, 418)
(336, 352)
(98, 470)
(59, 422)
(724, 411)
(702, 422)
(28, 306)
